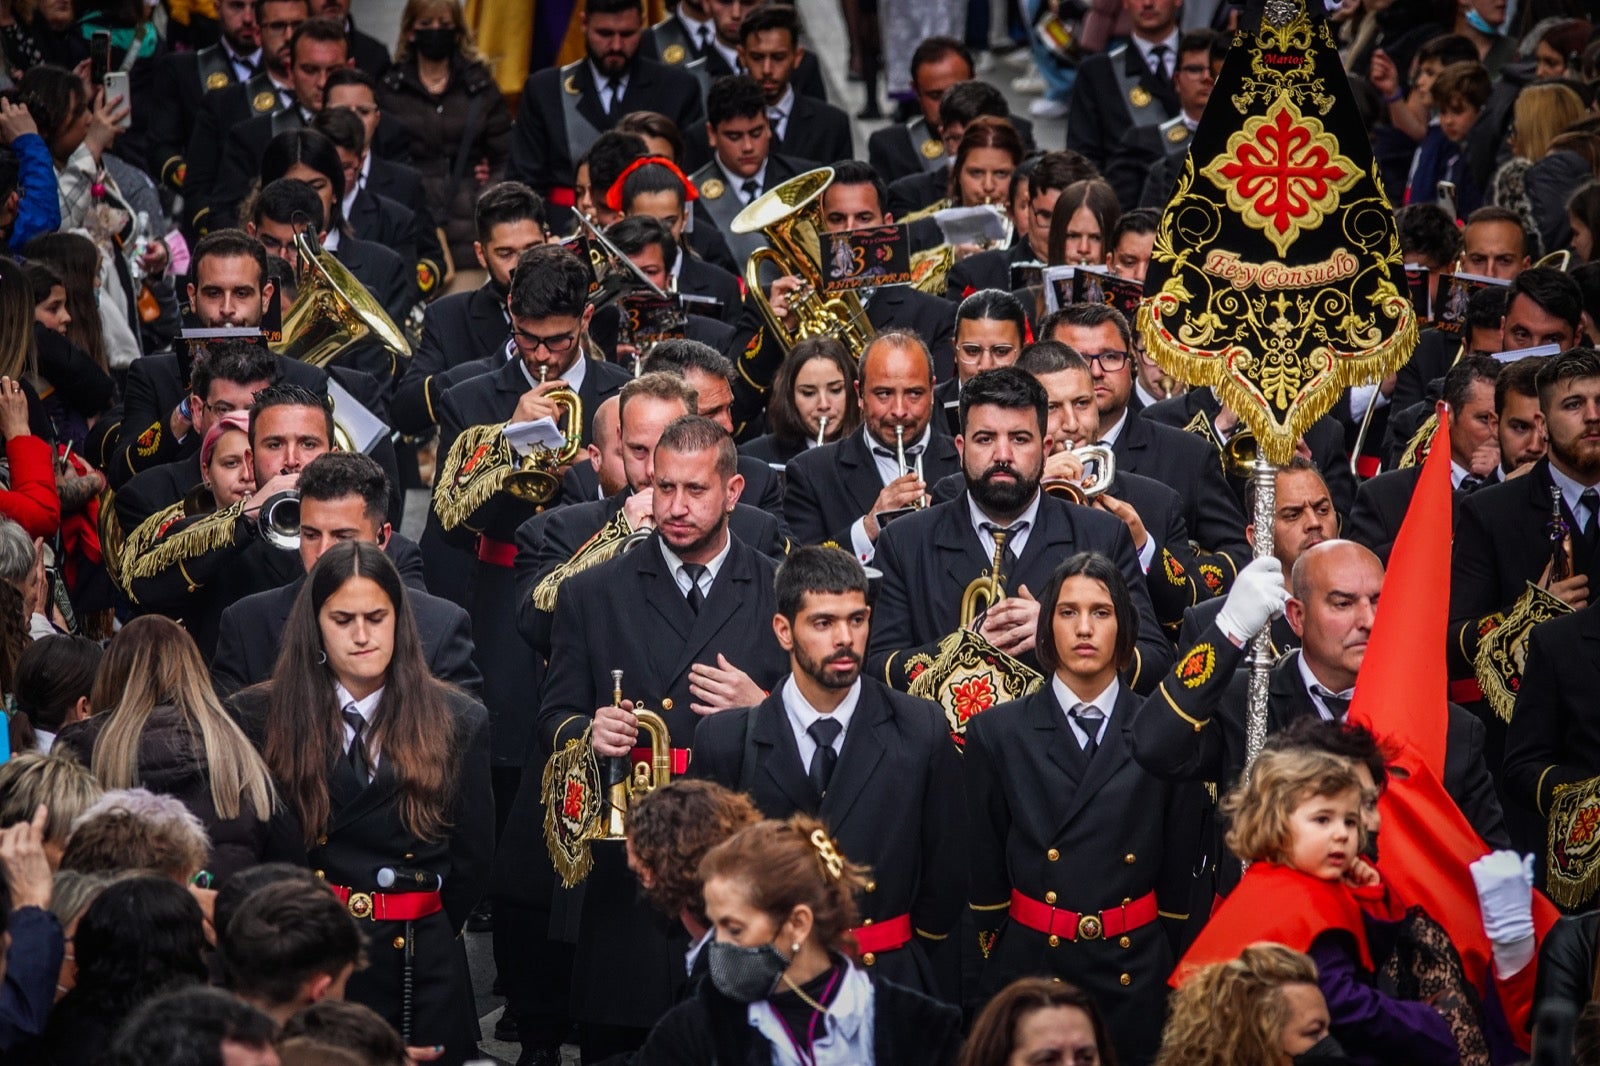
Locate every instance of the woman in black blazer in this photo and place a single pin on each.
(387, 771)
(816, 379)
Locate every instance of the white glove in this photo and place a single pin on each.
(1257, 597)
(1504, 881)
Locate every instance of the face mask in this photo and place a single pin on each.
(744, 975)
(435, 44)
(1323, 1053)
(1477, 22)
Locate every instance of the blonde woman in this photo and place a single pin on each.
(1542, 113)
(1262, 1009)
(158, 725)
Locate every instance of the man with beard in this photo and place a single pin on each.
(835, 494)
(268, 91)
(929, 558)
(564, 109)
(705, 600)
(1468, 408)
(1503, 534)
(1192, 727)
(181, 81)
(467, 327)
(1051, 777)
(877, 767)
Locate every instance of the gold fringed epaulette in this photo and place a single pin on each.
(572, 801)
(473, 472)
(604, 545)
(1573, 863)
(1503, 649)
(149, 551)
(1416, 448)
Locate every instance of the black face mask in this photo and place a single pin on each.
(1324, 1052)
(435, 44)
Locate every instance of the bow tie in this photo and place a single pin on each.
(912, 451)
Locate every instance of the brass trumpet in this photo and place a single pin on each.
(1099, 470)
(278, 520)
(822, 430)
(629, 780)
(985, 590)
(900, 457)
(537, 478)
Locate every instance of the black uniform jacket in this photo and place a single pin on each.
(1502, 542)
(895, 802)
(929, 558)
(251, 634)
(456, 329)
(1168, 744)
(547, 540)
(1100, 114)
(1381, 505)
(365, 833)
(1085, 833)
(1554, 735)
(828, 488)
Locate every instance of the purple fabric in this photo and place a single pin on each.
(1375, 1029)
(32, 967)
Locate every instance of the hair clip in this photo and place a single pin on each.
(827, 853)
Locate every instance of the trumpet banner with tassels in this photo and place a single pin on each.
(1276, 276)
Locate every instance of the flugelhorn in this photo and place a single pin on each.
(1099, 470)
(626, 779)
(790, 217)
(537, 478)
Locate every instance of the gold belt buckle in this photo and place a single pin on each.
(360, 905)
(1089, 927)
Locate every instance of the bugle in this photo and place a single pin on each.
(628, 780)
(278, 520)
(537, 478)
(1099, 470)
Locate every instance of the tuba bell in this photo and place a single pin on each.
(790, 217)
(1099, 470)
(332, 311)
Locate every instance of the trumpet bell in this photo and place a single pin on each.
(1099, 471)
(279, 520)
(1239, 454)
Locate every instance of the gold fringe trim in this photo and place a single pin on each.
(1417, 447)
(149, 552)
(112, 541)
(1573, 863)
(472, 473)
(1198, 366)
(604, 545)
(571, 780)
(1503, 650)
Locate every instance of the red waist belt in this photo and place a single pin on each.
(1058, 921)
(1368, 465)
(887, 935)
(388, 906)
(562, 196)
(680, 759)
(496, 552)
(1466, 691)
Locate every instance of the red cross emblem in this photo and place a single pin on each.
(1282, 173)
(573, 807)
(973, 695)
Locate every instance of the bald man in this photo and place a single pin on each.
(1198, 733)
(602, 475)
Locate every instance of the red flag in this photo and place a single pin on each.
(1401, 696)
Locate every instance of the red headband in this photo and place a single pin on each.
(614, 194)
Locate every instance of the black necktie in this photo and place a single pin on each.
(694, 571)
(705, 38)
(357, 755)
(1004, 535)
(1158, 60)
(613, 89)
(751, 189)
(824, 731)
(1089, 720)
(1337, 705)
(1591, 523)
(1470, 482)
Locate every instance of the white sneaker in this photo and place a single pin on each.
(984, 62)
(1031, 83)
(1020, 58)
(1044, 107)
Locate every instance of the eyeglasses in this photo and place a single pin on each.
(1110, 362)
(556, 344)
(969, 354)
(273, 245)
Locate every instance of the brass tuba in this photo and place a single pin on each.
(1099, 470)
(790, 217)
(332, 311)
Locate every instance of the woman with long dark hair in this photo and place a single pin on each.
(384, 767)
(815, 381)
(1082, 223)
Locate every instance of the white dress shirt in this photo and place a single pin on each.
(1318, 690)
(1109, 434)
(1018, 540)
(1169, 58)
(681, 576)
(802, 716)
(778, 113)
(365, 708)
(620, 81)
(736, 183)
(572, 375)
(1105, 702)
(1571, 492)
